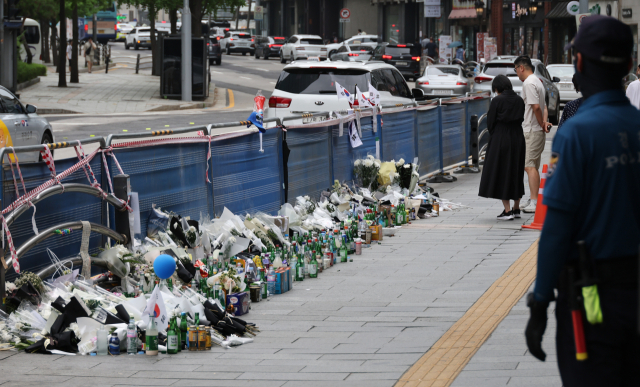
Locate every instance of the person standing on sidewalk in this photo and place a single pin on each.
(533, 126)
(571, 108)
(89, 50)
(633, 91)
(591, 195)
(503, 172)
(69, 53)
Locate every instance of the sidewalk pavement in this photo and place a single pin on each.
(363, 323)
(119, 91)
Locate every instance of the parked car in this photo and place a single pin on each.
(506, 67)
(565, 73)
(365, 40)
(444, 80)
(214, 53)
(237, 41)
(20, 125)
(303, 47)
(359, 51)
(122, 29)
(307, 87)
(267, 46)
(405, 57)
(138, 37)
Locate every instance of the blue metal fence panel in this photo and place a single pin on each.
(428, 140)
(344, 155)
(170, 176)
(477, 107)
(397, 139)
(309, 165)
(245, 180)
(454, 138)
(67, 207)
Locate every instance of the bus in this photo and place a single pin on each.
(107, 25)
(33, 36)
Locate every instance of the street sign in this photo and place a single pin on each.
(258, 12)
(579, 18)
(627, 12)
(345, 20)
(345, 13)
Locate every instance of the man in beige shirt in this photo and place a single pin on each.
(534, 125)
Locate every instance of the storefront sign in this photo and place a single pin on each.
(627, 12)
(573, 7)
(432, 2)
(445, 53)
(463, 4)
(481, 38)
(490, 48)
(607, 8)
(432, 11)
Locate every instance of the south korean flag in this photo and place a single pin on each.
(354, 138)
(343, 93)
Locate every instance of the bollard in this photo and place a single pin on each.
(122, 190)
(475, 153)
(137, 63)
(106, 62)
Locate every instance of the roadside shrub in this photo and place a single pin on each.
(27, 72)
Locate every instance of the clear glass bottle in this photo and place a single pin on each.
(271, 281)
(102, 343)
(132, 337)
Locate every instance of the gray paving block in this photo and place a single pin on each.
(293, 376)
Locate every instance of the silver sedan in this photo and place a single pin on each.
(20, 125)
(565, 86)
(444, 81)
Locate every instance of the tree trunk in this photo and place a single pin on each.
(62, 76)
(249, 17)
(196, 17)
(173, 19)
(54, 45)
(237, 16)
(46, 58)
(74, 77)
(154, 48)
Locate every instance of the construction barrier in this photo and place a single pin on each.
(200, 174)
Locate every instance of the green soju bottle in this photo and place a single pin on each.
(172, 338)
(184, 328)
(313, 266)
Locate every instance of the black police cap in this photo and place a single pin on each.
(603, 39)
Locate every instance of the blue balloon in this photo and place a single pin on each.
(164, 265)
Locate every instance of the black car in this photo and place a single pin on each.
(214, 53)
(405, 57)
(267, 46)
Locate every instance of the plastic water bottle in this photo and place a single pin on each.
(271, 281)
(132, 338)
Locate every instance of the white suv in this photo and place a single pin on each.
(358, 40)
(138, 37)
(303, 47)
(237, 41)
(309, 87)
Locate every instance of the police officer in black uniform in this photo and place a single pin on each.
(593, 198)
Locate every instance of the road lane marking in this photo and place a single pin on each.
(231, 99)
(450, 354)
(273, 83)
(216, 72)
(245, 77)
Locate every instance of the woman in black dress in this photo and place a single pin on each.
(503, 172)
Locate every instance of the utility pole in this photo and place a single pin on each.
(584, 6)
(94, 32)
(186, 52)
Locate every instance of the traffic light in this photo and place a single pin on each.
(13, 10)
